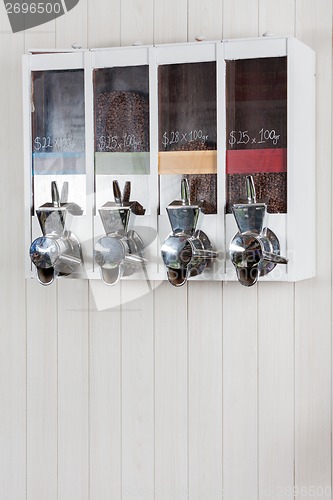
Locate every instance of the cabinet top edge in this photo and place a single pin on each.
(39, 51)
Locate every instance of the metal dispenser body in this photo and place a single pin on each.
(254, 250)
(58, 251)
(120, 252)
(187, 251)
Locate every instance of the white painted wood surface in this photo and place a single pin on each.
(116, 414)
(42, 391)
(277, 18)
(137, 347)
(170, 21)
(105, 392)
(171, 393)
(204, 18)
(205, 390)
(12, 294)
(136, 21)
(276, 394)
(240, 338)
(73, 391)
(240, 393)
(276, 399)
(313, 299)
(240, 19)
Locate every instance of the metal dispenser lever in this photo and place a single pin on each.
(119, 253)
(254, 250)
(58, 251)
(187, 251)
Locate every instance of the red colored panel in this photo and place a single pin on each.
(252, 161)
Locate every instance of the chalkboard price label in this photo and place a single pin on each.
(178, 137)
(263, 136)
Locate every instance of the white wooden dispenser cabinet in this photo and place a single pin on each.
(184, 161)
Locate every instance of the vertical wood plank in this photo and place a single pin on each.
(240, 338)
(171, 393)
(105, 395)
(137, 21)
(205, 390)
(12, 285)
(313, 357)
(170, 21)
(276, 340)
(276, 390)
(240, 19)
(137, 392)
(73, 472)
(205, 18)
(277, 17)
(72, 27)
(34, 40)
(42, 392)
(240, 393)
(103, 23)
(4, 20)
(45, 28)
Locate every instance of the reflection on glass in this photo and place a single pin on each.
(121, 99)
(58, 133)
(256, 142)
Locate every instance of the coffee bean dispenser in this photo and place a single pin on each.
(122, 140)
(56, 155)
(207, 116)
(187, 251)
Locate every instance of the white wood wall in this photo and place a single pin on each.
(177, 394)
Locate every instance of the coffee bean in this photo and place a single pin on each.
(123, 116)
(271, 188)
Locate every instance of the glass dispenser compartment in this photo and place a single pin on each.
(187, 132)
(58, 134)
(256, 142)
(122, 145)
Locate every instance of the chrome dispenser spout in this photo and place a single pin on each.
(254, 250)
(187, 251)
(58, 251)
(120, 252)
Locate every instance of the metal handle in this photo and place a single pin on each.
(185, 192)
(273, 257)
(55, 194)
(250, 190)
(117, 193)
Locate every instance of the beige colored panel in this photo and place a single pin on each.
(137, 391)
(187, 162)
(276, 390)
(105, 392)
(137, 20)
(170, 21)
(171, 394)
(240, 19)
(73, 371)
(42, 377)
(205, 390)
(205, 18)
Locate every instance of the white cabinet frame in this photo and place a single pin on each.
(293, 228)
